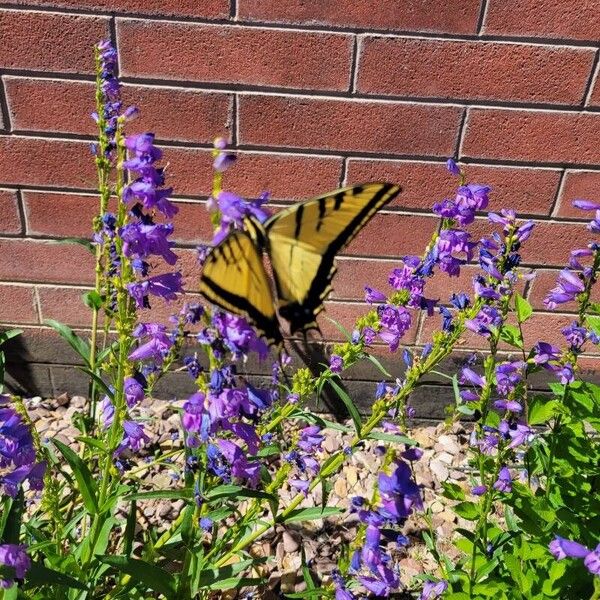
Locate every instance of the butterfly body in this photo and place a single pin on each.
(301, 242)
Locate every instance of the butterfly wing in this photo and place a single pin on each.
(304, 239)
(234, 278)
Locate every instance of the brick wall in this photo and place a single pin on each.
(315, 94)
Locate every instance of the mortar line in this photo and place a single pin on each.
(555, 207)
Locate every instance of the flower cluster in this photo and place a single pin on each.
(562, 548)
(399, 495)
(110, 88)
(17, 453)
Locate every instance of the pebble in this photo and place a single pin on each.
(289, 542)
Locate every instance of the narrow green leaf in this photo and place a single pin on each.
(12, 526)
(40, 575)
(340, 328)
(150, 575)
(232, 583)
(310, 514)
(130, 529)
(87, 244)
(79, 345)
(227, 491)
(391, 437)
(306, 575)
(523, 309)
(9, 334)
(105, 388)
(349, 405)
(85, 481)
(89, 441)
(378, 364)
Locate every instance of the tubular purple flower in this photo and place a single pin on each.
(452, 167)
(373, 296)
(433, 589)
(479, 490)
(586, 204)
(336, 363)
(133, 437)
(562, 548)
(592, 561)
(469, 376)
(568, 286)
(504, 481)
(165, 286)
(134, 391)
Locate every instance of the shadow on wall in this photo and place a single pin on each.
(19, 376)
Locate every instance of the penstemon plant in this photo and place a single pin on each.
(72, 522)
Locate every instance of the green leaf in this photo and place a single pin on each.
(185, 494)
(467, 510)
(80, 346)
(93, 442)
(381, 368)
(92, 299)
(316, 593)
(87, 244)
(391, 437)
(523, 309)
(11, 527)
(340, 328)
(541, 409)
(306, 575)
(129, 535)
(40, 575)
(233, 583)
(152, 576)
(511, 335)
(105, 388)
(9, 334)
(224, 578)
(453, 491)
(85, 481)
(594, 322)
(349, 405)
(310, 514)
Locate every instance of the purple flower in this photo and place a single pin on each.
(301, 485)
(311, 439)
(545, 353)
(479, 490)
(566, 374)
(241, 468)
(133, 437)
(504, 481)
(336, 363)
(508, 376)
(143, 240)
(107, 412)
(562, 548)
(449, 243)
(509, 405)
(575, 336)
(586, 205)
(238, 335)
(166, 286)
(486, 320)
(433, 589)
(469, 376)
(193, 409)
(373, 296)
(15, 557)
(234, 209)
(568, 286)
(452, 167)
(206, 523)
(520, 433)
(134, 391)
(592, 561)
(395, 322)
(158, 345)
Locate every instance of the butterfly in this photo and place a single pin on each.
(301, 242)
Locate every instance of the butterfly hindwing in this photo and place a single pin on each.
(304, 239)
(234, 278)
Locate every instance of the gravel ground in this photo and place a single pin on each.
(444, 459)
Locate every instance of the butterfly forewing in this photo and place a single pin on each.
(234, 278)
(304, 239)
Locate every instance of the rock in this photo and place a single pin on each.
(340, 487)
(445, 458)
(439, 469)
(351, 475)
(289, 543)
(446, 443)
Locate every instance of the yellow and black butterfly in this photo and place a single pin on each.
(301, 243)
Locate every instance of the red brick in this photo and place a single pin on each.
(550, 242)
(38, 161)
(387, 235)
(18, 304)
(344, 125)
(239, 55)
(284, 176)
(39, 261)
(528, 191)
(540, 136)
(193, 115)
(10, 220)
(434, 15)
(188, 8)
(428, 68)
(49, 41)
(544, 281)
(595, 96)
(578, 185)
(544, 18)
